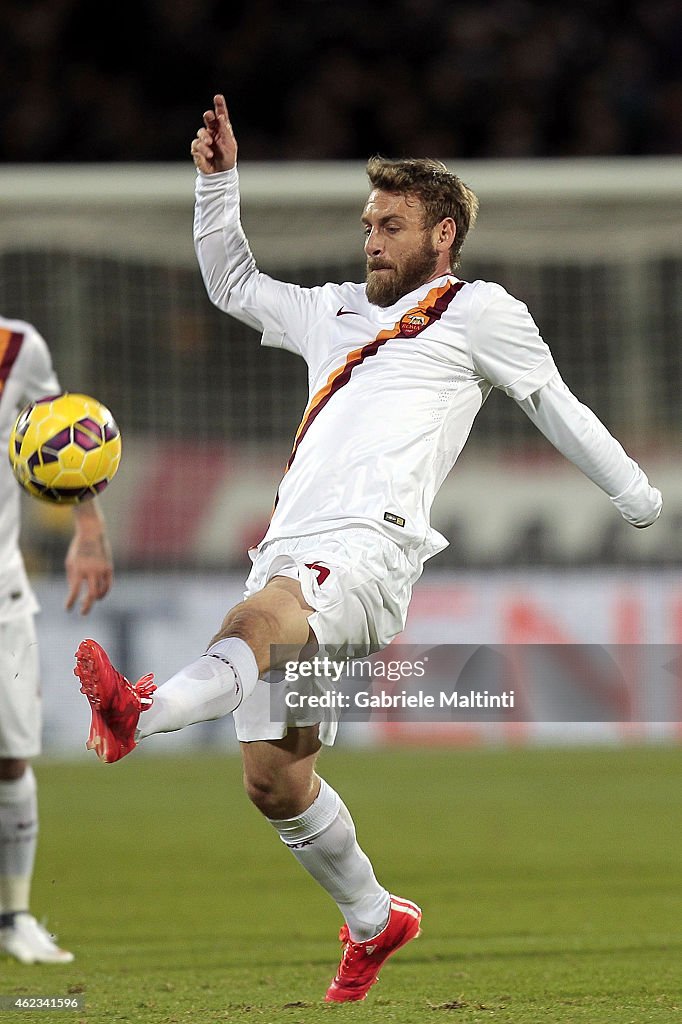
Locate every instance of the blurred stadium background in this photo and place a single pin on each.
(566, 122)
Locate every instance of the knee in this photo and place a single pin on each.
(275, 794)
(264, 791)
(248, 622)
(275, 615)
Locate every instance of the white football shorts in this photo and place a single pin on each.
(20, 704)
(359, 584)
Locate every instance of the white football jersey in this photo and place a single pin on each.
(26, 373)
(393, 395)
(393, 392)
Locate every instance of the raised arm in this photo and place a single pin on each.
(227, 265)
(281, 311)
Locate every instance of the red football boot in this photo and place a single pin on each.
(115, 703)
(362, 961)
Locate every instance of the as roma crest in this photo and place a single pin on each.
(414, 321)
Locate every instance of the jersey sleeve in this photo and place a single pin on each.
(283, 312)
(34, 367)
(579, 434)
(507, 349)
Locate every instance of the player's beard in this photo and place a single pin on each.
(385, 289)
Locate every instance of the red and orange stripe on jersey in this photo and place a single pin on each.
(430, 309)
(10, 346)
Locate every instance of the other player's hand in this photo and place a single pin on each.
(89, 570)
(215, 148)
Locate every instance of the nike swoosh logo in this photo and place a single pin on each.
(346, 312)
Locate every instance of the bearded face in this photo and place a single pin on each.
(388, 280)
(401, 254)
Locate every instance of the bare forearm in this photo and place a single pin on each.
(89, 562)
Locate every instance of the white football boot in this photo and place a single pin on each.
(30, 943)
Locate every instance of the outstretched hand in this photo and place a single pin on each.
(215, 148)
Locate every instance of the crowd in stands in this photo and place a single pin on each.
(317, 79)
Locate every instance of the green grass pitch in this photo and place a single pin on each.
(550, 883)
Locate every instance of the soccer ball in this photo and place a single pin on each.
(65, 448)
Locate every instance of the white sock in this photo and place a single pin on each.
(18, 840)
(323, 841)
(211, 687)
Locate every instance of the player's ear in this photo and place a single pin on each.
(445, 233)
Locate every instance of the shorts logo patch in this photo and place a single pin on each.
(391, 517)
(321, 570)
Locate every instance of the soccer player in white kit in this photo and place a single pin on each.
(26, 374)
(398, 368)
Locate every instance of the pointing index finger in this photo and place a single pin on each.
(220, 106)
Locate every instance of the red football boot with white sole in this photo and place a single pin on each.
(115, 703)
(362, 961)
